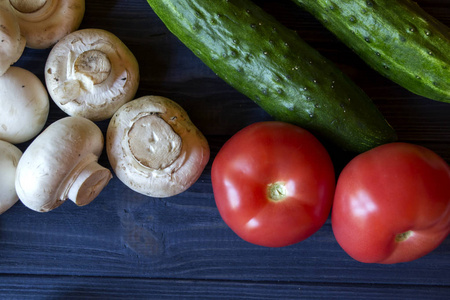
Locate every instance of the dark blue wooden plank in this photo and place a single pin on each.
(73, 287)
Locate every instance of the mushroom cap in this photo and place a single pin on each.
(9, 158)
(154, 148)
(43, 23)
(91, 73)
(12, 43)
(25, 105)
(50, 164)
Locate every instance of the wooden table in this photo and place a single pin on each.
(125, 245)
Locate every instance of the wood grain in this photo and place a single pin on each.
(128, 245)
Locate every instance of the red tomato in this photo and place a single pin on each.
(392, 204)
(273, 183)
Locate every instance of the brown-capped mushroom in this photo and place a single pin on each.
(62, 163)
(45, 22)
(24, 105)
(154, 148)
(12, 43)
(9, 158)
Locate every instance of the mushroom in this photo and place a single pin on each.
(44, 22)
(25, 105)
(90, 73)
(62, 163)
(154, 148)
(12, 43)
(9, 158)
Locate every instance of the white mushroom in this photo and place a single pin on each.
(60, 164)
(9, 158)
(24, 105)
(44, 22)
(12, 43)
(90, 73)
(154, 148)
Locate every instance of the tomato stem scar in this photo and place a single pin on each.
(276, 191)
(403, 236)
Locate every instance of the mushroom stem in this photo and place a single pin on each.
(153, 142)
(95, 64)
(86, 181)
(27, 6)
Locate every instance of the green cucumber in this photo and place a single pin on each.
(395, 37)
(271, 65)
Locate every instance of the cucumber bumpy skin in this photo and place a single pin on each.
(395, 37)
(271, 65)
